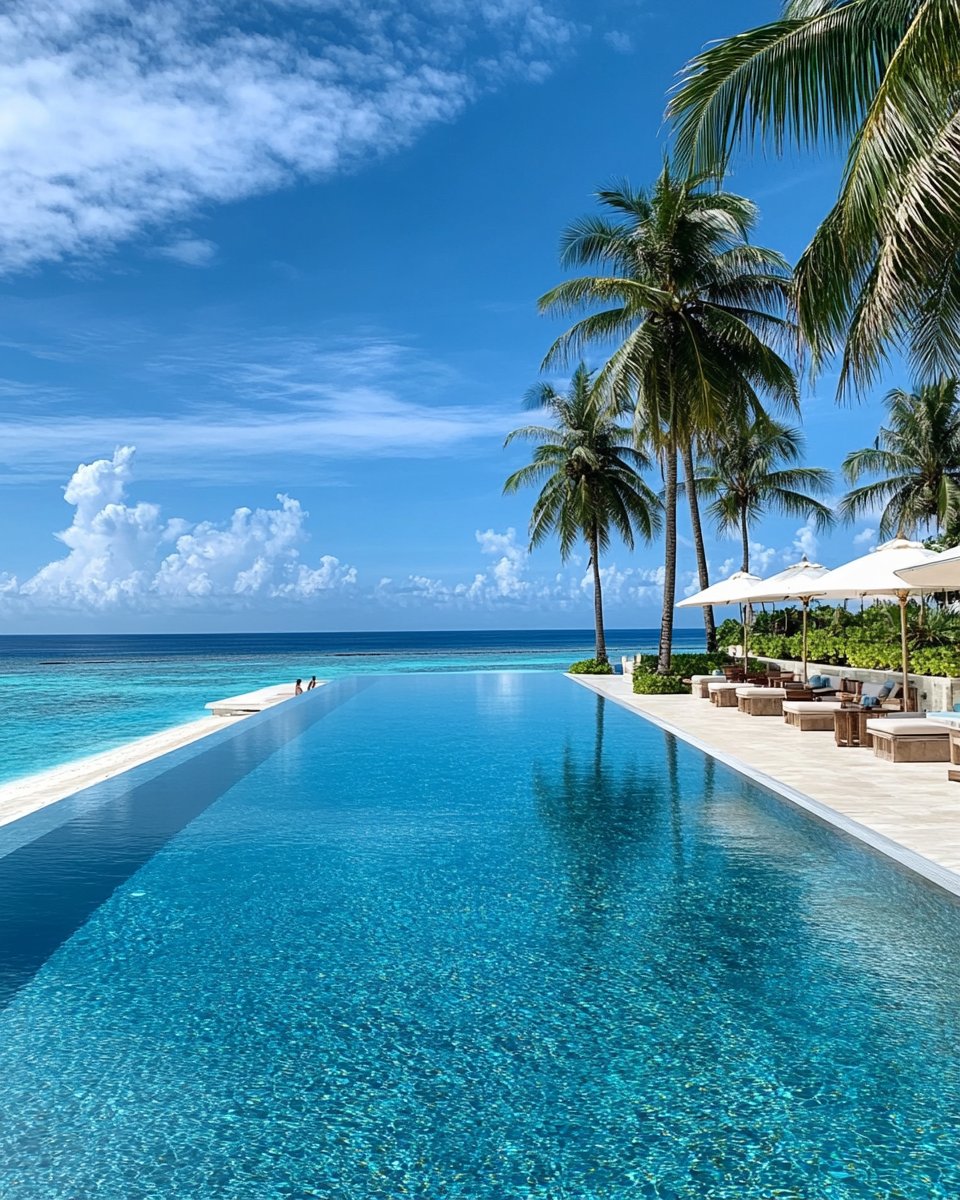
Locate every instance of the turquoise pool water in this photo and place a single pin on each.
(65, 697)
(480, 936)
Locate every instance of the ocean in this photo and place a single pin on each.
(65, 697)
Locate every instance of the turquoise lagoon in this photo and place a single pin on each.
(482, 936)
(65, 697)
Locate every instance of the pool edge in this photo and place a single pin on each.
(942, 877)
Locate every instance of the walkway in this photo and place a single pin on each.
(907, 810)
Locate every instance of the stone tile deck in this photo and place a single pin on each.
(912, 806)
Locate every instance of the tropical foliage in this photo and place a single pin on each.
(588, 470)
(755, 471)
(877, 78)
(696, 317)
(868, 639)
(916, 462)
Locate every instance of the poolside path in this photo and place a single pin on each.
(909, 805)
(22, 796)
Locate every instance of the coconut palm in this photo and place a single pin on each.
(589, 471)
(877, 78)
(916, 458)
(752, 472)
(695, 313)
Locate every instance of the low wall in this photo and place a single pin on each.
(935, 693)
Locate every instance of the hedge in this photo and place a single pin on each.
(591, 666)
(646, 683)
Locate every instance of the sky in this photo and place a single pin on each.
(268, 282)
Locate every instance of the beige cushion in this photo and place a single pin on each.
(751, 689)
(803, 706)
(722, 683)
(908, 728)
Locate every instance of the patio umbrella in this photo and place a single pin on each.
(940, 574)
(876, 574)
(796, 582)
(738, 589)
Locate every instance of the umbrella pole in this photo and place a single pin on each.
(904, 653)
(806, 601)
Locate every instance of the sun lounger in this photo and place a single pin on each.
(910, 738)
(699, 684)
(761, 701)
(723, 694)
(810, 715)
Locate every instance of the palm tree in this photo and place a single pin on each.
(695, 312)
(879, 79)
(917, 459)
(588, 468)
(751, 473)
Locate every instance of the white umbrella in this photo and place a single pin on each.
(735, 590)
(796, 582)
(939, 574)
(876, 574)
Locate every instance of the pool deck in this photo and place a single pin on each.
(23, 796)
(909, 811)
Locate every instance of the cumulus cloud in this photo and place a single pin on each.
(866, 537)
(128, 556)
(119, 117)
(806, 542)
(507, 583)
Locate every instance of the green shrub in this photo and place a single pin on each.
(647, 683)
(729, 633)
(591, 666)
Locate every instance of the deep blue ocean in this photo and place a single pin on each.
(65, 697)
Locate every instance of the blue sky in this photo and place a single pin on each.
(293, 249)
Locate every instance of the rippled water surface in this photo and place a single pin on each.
(484, 936)
(65, 697)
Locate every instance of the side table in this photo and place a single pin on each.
(850, 725)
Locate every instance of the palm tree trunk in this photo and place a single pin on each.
(601, 651)
(709, 627)
(745, 538)
(669, 559)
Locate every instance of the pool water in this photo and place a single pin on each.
(64, 697)
(480, 936)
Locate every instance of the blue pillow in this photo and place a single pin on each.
(819, 681)
(717, 671)
(869, 701)
(888, 687)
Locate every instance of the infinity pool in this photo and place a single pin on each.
(478, 936)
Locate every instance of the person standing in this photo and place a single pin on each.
(298, 690)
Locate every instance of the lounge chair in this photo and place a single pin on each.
(761, 701)
(723, 693)
(699, 684)
(810, 715)
(909, 738)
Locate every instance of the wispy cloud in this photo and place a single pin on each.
(275, 397)
(120, 117)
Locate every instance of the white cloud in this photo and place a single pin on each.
(619, 41)
(121, 117)
(761, 557)
(806, 542)
(277, 396)
(127, 556)
(191, 251)
(866, 537)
